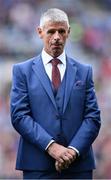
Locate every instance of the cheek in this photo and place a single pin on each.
(47, 42)
(64, 39)
(66, 36)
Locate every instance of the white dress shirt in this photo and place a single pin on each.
(46, 58)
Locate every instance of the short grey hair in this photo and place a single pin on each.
(54, 15)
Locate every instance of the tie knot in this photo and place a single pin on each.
(55, 62)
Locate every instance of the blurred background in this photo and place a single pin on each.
(89, 42)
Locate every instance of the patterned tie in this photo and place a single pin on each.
(56, 78)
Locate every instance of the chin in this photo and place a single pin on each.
(57, 52)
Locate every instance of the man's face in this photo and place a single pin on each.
(54, 35)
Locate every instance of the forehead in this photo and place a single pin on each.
(56, 25)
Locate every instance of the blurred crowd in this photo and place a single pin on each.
(89, 42)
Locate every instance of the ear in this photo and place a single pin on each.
(68, 32)
(40, 32)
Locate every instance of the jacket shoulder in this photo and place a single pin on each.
(25, 66)
(78, 64)
(27, 61)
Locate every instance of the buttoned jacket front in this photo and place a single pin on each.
(72, 118)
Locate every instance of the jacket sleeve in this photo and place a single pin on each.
(90, 126)
(21, 116)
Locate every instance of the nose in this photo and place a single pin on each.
(56, 36)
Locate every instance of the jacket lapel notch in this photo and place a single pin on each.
(41, 74)
(70, 79)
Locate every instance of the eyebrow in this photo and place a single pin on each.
(59, 30)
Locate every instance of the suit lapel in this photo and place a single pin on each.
(41, 74)
(70, 78)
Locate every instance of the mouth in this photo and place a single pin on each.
(57, 45)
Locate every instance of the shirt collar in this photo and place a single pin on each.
(47, 58)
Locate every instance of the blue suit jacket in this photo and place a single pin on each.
(35, 115)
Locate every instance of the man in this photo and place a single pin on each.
(54, 108)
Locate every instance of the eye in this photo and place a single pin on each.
(62, 31)
(50, 31)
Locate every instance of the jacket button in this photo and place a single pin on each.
(58, 108)
(58, 135)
